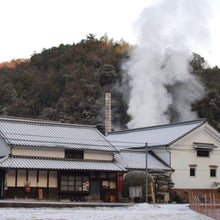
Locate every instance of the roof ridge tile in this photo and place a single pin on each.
(42, 122)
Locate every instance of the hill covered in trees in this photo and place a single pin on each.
(68, 83)
(209, 106)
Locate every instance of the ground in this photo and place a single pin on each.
(135, 212)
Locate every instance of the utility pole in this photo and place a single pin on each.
(146, 146)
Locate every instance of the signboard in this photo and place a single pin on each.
(135, 191)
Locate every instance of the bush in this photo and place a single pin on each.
(135, 178)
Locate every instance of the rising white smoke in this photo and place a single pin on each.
(159, 71)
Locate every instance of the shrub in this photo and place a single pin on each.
(135, 178)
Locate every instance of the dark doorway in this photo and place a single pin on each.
(2, 183)
(95, 189)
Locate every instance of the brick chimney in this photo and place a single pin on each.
(108, 115)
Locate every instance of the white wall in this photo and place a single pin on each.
(32, 178)
(10, 178)
(42, 178)
(183, 155)
(97, 155)
(37, 152)
(21, 178)
(58, 153)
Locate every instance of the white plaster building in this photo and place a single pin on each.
(191, 148)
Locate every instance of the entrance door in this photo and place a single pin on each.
(2, 181)
(95, 189)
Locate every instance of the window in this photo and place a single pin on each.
(73, 154)
(203, 149)
(74, 183)
(67, 183)
(106, 184)
(192, 171)
(202, 152)
(212, 172)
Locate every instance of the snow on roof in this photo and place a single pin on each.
(55, 164)
(154, 136)
(137, 160)
(30, 132)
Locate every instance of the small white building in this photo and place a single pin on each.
(191, 148)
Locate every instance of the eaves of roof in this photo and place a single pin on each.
(13, 119)
(202, 120)
(59, 164)
(73, 146)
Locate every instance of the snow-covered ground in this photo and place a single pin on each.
(135, 212)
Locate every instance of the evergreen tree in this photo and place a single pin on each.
(161, 179)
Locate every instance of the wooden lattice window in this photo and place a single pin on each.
(73, 154)
(71, 183)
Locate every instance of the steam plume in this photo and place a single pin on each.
(159, 71)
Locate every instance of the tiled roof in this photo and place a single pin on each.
(154, 136)
(53, 164)
(29, 132)
(137, 160)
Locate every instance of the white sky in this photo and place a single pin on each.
(31, 25)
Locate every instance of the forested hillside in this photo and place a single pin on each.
(209, 106)
(68, 83)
